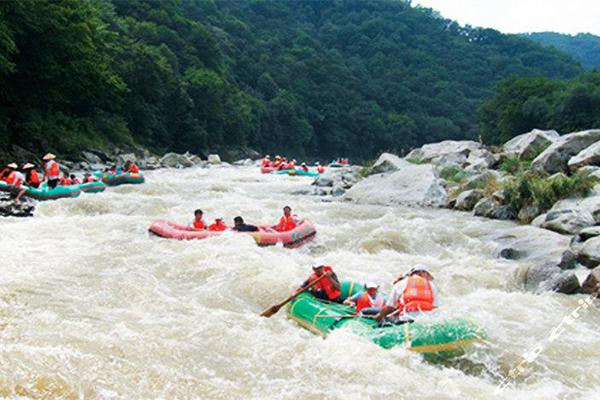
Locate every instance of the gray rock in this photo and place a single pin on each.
(533, 245)
(589, 170)
(321, 191)
(467, 199)
(195, 159)
(549, 277)
(589, 204)
(323, 181)
(413, 185)
(430, 151)
(480, 159)
(388, 162)
(174, 160)
(538, 221)
(568, 221)
(589, 253)
(528, 214)
(214, 159)
(510, 254)
(482, 180)
(123, 158)
(10, 208)
(449, 160)
(529, 145)
(591, 284)
(588, 233)
(590, 156)
(338, 191)
(556, 157)
(490, 208)
(568, 260)
(244, 163)
(565, 282)
(91, 158)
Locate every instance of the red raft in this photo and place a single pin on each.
(265, 236)
(267, 170)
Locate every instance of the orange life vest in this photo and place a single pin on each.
(34, 177)
(4, 174)
(286, 224)
(90, 179)
(66, 182)
(418, 295)
(364, 301)
(217, 226)
(133, 169)
(198, 225)
(14, 178)
(51, 170)
(325, 284)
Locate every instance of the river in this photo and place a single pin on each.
(92, 307)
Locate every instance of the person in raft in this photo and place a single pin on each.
(240, 226)
(14, 177)
(320, 168)
(198, 223)
(131, 167)
(51, 170)
(368, 302)
(304, 167)
(266, 161)
(88, 178)
(6, 171)
(218, 225)
(65, 180)
(32, 178)
(328, 288)
(412, 294)
(287, 221)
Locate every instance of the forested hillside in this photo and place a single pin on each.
(583, 47)
(307, 77)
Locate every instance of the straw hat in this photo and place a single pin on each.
(28, 165)
(49, 156)
(13, 165)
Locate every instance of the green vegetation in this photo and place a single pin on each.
(584, 47)
(540, 191)
(304, 77)
(522, 104)
(453, 174)
(513, 165)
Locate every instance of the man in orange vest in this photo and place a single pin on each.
(328, 288)
(367, 302)
(132, 167)
(412, 294)
(14, 177)
(10, 168)
(51, 170)
(198, 223)
(287, 222)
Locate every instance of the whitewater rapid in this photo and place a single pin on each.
(92, 307)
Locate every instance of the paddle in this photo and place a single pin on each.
(273, 309)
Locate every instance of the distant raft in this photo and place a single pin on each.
(44, 192)
(436, 340)
(267, 170)
(120, 178)
(296, 172)
(93, 187)
(265, 236)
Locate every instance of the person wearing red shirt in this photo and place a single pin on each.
(7, 171)
(217, 226)
(328, 288)
(287, 221)
(198, 223)
(32, 177)
(51, 170)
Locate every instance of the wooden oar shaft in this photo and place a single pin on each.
(273, 309)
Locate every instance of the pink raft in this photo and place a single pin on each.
(265, 236)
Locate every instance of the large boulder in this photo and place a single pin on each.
(412, 185)
(589, 253)
(430, 151)
(568, 221)
(91, 158)
(125, 157)
(556, 157)
(387, 163)
(591, 284)
(467, 199)
(589, 204)
(174, 160)
(480, 159)
(449, 160)
(549, 277)
(214, 159)
(589, 156)
(10, 208)
(529, 145)
(490, 208)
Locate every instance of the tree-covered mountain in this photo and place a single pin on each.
(583, 47)
(305, 77)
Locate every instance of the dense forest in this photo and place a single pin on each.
(583, 47)
(522, 104)
(316, 78)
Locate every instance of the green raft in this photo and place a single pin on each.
(296, 172)
(120, 178)
(44, 192)
(436, 340)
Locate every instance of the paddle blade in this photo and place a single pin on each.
(270, 311)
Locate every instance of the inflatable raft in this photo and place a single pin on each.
(267, 170)
(120, 179)
(265, 236)
(436, 340)
(296, 172)
(93, 187)
(43, 192)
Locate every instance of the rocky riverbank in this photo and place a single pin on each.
(541, 178)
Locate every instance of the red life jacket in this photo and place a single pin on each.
(364, 301)
(133, 169)
(66, 182)
(76, 181)
(265, 162)
(14, 178)
(286, 224)
(198, 225)
(51, 170)
(90, 179)
(418, 295)
(217, 226)
(325, 284)
(320, 169)
(34, 177)
(304, 168)
(4, 174)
